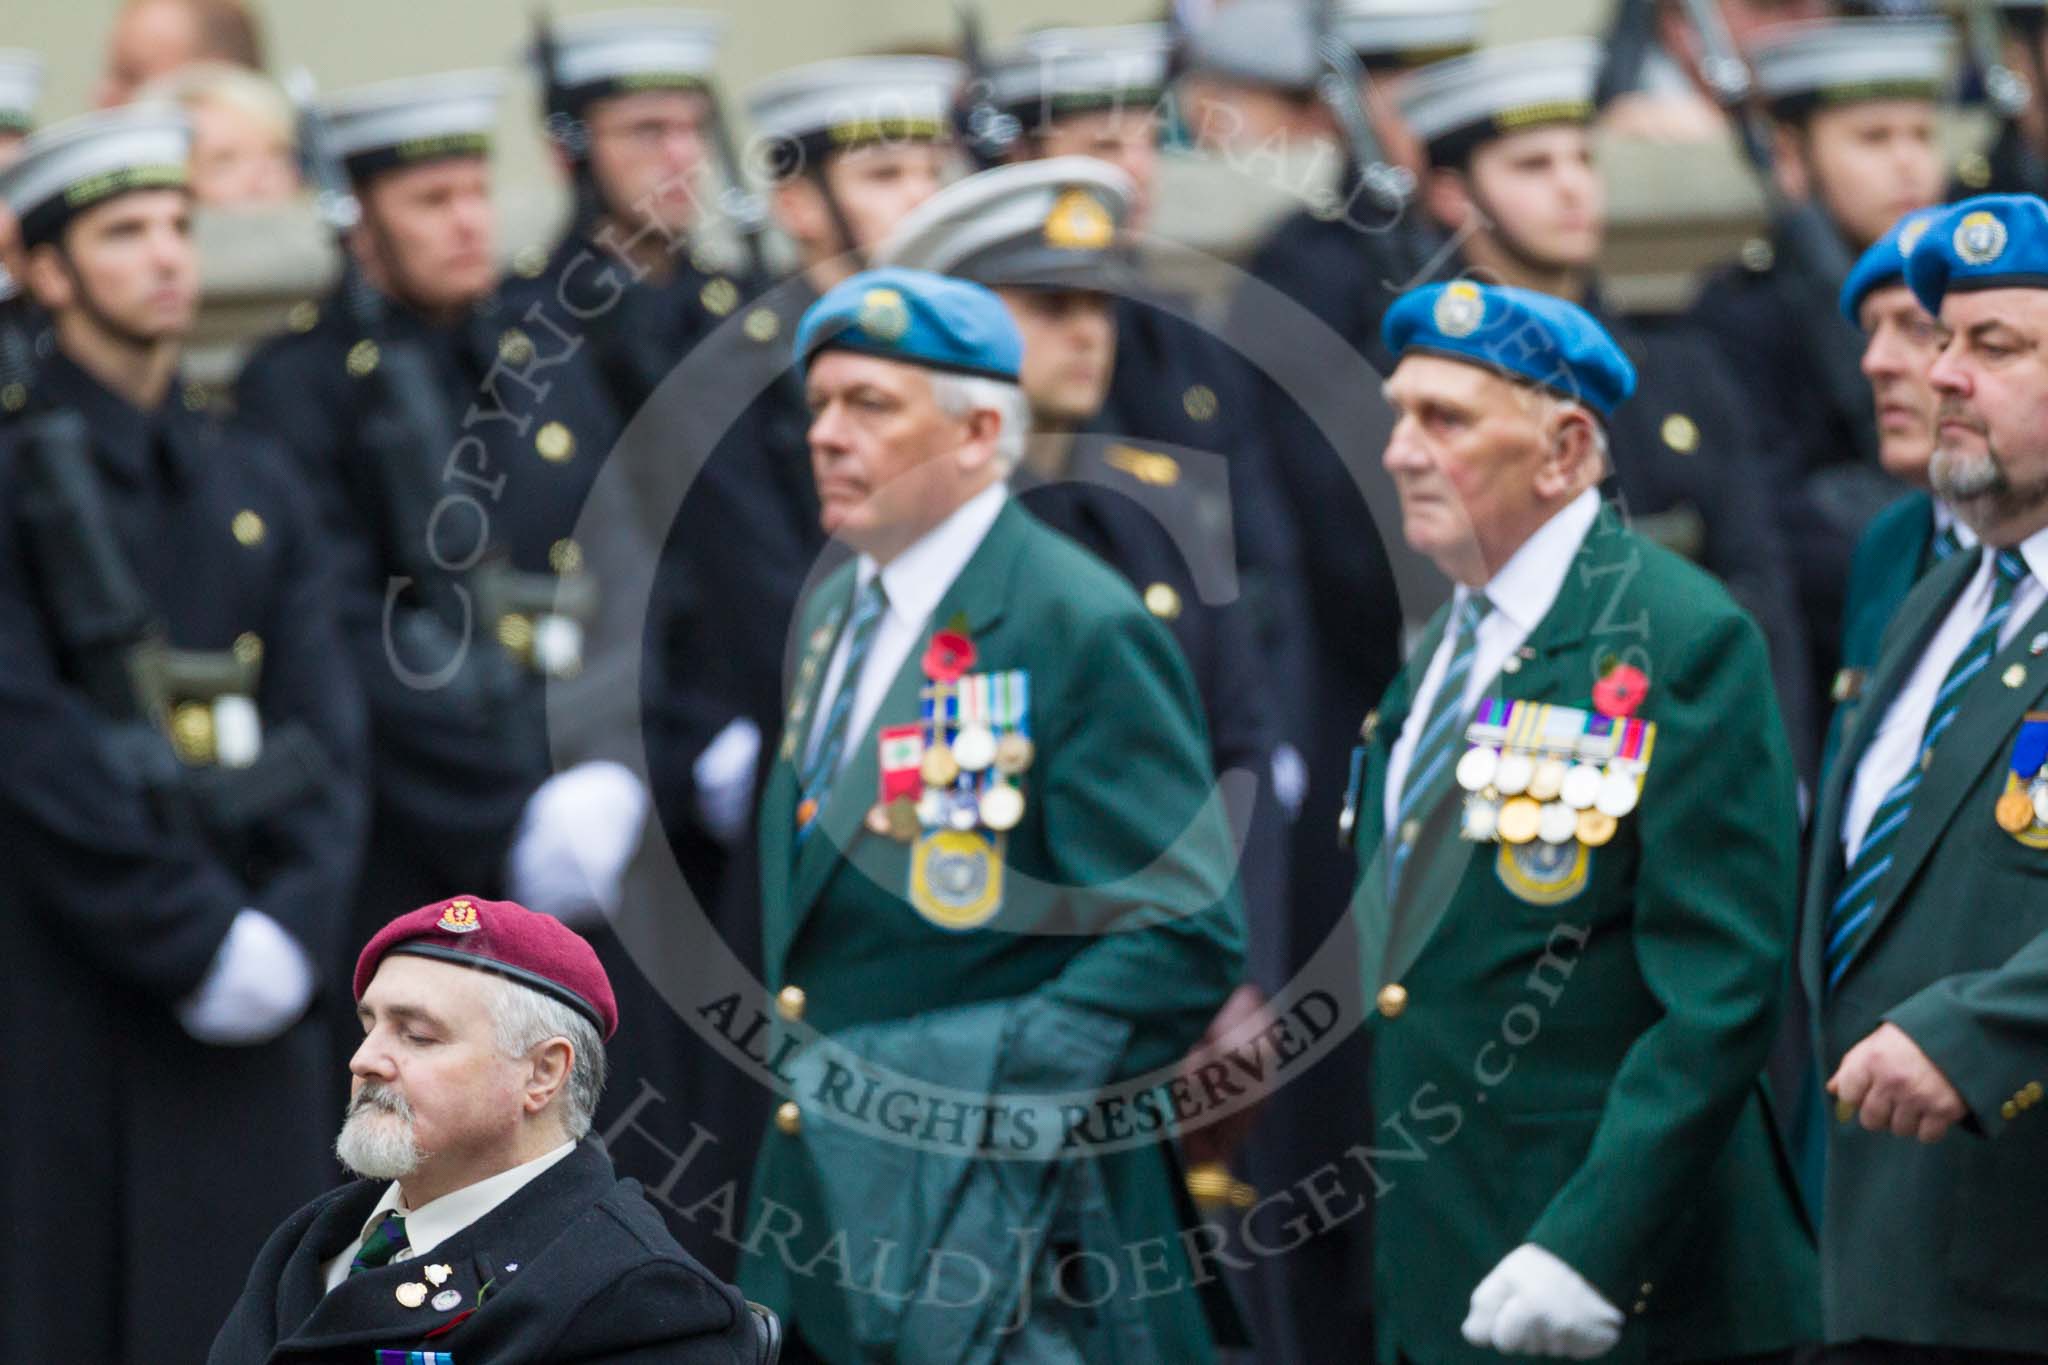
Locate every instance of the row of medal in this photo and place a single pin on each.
(961, 766)
(2023, 806)
(1532, 771)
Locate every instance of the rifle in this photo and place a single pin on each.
(1819, 260)
(1387, 187)
(985, 129)
(2007, 91)
(1630, 36)
(404, 424)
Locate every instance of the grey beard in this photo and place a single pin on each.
(376, 1139)
(1966, 478)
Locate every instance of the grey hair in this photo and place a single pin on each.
(960, 394)
(522, 1019)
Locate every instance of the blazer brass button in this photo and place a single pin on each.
(1393, 999)
(789, 1118)
(789, 1003)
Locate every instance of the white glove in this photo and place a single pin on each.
(1534, 1304)
(724, 774)
(259, 984)
(580, 829)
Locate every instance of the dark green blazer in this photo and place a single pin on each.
(1118, 894)
(1889, 560)
(1942, 1244)
(1585, 1075)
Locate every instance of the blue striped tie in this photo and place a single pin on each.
(1429, 767)
(1946, 543)
(823, 763)
(1857, 900)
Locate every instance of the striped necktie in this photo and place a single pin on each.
(1850, 913)
(386, 1240)
(823, 763)
(1429, 767)
(1944, 545)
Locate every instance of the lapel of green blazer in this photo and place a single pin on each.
(1919, 616)
(1369, 901)
(1991, 711)
(1552, 666)
(979, 594)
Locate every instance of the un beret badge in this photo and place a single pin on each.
(459, 918)
(1459, 309)
(883, 315)
(1979, 238)
(1911, 233)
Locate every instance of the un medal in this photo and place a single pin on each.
(1581, 786)
(974, 748)
(1482, 820)
(2015, 811)
(1002, 807)
(1617, 794)
(1511, 778)
(939, 767)
(1557, 823)
(1548, 779)
(1595, 828)
(1476, 769)
(1519, 820)
(1013, 754)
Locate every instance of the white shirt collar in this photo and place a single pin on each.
(1526, 586)
(1945, 519)
(2035, 550)
(437, 1220)
(918, 578)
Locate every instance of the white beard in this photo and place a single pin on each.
(377, 1138)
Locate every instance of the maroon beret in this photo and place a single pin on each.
(519, 944)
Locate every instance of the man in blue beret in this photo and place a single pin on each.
(991, 864)
(1926, 943)
(1576, 840)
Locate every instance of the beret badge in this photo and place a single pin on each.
(1979, 238)
(1079, 222)
(883, 314)
(1459, 309)
(459, 918)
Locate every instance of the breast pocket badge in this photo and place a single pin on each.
(956, 877)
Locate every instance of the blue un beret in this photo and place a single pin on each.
(1884, 264)
(916, 317)
(1995, 241)
(1516, 332)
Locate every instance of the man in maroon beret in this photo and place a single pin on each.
(488, 1224)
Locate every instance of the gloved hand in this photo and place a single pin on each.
(259, 984)
(1534, 1304)
(579, 831)
(724, 774)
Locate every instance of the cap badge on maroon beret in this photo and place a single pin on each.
(459, 918)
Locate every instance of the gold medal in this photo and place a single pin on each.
(900, 818)
(1014, 753)
(2015, 811)
(1519, 820)
(1002, 807)
(939, 768)
(1596, 827)
(1548, 779)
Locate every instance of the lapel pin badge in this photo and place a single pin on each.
(2038, 645)
(411, 1294)
(447, 1299)
(437, 1275)
(2015, 675)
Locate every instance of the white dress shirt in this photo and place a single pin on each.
(437, 1220)
(1895, 748)
(1522, 593)
(915, 581)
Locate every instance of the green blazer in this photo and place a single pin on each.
(1585, 1074)
(1118, 896)
(1956, 954)
(1889, 559)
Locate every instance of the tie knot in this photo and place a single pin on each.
(1473, 612)
(1947, 543)
(2011, 566)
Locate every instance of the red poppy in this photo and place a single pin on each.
(1620, 692)
(949, 655)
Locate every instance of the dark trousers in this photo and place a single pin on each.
(1896, 1353)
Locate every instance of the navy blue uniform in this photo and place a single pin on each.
(126, 1145)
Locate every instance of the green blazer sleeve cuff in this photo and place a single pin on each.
(1988, 1033)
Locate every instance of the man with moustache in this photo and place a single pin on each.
(184, 795)
(487, 1224)
(1926, 939)
(1576, 844)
